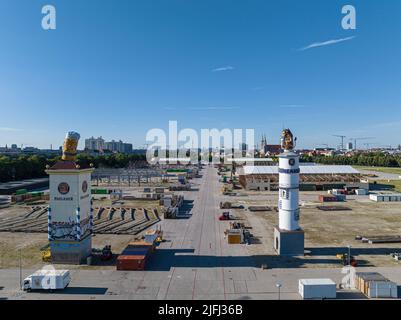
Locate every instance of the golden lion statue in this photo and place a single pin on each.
(287, 140)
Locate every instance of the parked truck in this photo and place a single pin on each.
(47, 280)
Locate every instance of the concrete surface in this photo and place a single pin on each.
(194, 263)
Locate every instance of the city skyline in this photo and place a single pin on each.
(119, 73)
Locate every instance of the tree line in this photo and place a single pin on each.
(373, 159)
(33, 166)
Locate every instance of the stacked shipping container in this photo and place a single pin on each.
(135, 256)
(375, 285)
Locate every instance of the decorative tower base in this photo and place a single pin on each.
(289, 243)
(71, 252)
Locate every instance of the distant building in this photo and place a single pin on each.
(118, 146)
(269, 149)
(94, 144)
(127, 147)
(13, 150)
(31, 150)
(100, 145)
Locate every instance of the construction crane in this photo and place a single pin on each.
(367, 145)
(342, 140)
(357, 139)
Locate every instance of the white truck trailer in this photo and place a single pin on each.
(47, 280)
(317, 289)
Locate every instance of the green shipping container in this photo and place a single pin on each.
(21, 191)
(36, 194)
(99, 191)
(307, 187)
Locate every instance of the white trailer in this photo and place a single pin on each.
(317, 289)
(47, 280)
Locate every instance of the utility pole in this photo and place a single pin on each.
(20, 269)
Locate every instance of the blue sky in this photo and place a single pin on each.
(119, 68)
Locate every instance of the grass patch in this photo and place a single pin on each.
(395, 183)
(380, 169)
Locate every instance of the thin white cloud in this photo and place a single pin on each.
(325, 43)
(293, 106)
(226, 68)
(6, 129)
(214, 108)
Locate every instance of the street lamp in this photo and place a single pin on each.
(20, 269)
(278, 285)
(349, 255)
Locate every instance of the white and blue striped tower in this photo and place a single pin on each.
(289, 237)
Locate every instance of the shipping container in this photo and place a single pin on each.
(136, 251)
(307, 187)
(36, 194)
(382, 289)
(234, 238)
(361, 192)
(375, 285)
(317, 289)
(385, 197)
(21, 192)
(131, 263)
(143, 243)
(327, 198)
(99, 191)
(341, 197)
(152, 234)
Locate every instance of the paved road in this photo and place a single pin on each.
(195, 263)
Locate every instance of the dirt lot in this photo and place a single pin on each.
(30, 244)
(327, 232)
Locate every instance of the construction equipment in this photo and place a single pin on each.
(344, 258)
(226, 190)
(342, 139)
(238, 225)
(396, 256)
(357, 139)
(154, 236)
(225, 216)
(46, 256)
(107, 254)
(259, 208)
(46, 253)
(225, 205)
